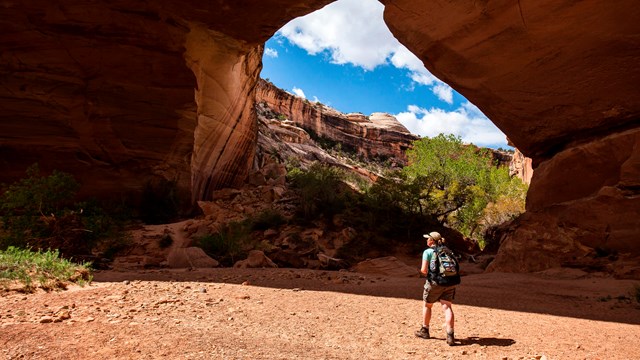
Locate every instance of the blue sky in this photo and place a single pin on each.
(345, 57)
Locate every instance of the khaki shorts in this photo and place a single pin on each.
(433, 293)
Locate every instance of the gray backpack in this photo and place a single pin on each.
(443, 268)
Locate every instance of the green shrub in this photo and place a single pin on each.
(636, 292)
(28, 206)
(267, 219)
(44, 269)
(319, 190)
(230, 244)
(40, 212)
(37, 195)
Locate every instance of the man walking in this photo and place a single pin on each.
(433, 292)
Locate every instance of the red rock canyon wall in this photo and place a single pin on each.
(560, 78)
(378, 135)
(122, 93)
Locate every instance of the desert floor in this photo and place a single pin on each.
(310, 314)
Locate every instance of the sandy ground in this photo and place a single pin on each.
(306, 314)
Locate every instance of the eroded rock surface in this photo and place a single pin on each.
(121, 94)
(379, 135)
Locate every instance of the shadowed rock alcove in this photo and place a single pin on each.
(120, 93)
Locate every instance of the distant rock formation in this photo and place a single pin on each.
(379, 135)
(521, 167)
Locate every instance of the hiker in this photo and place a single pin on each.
(433, 291)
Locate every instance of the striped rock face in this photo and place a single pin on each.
(379, 135)
(124, 95)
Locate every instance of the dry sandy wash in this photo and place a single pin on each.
(304, 314)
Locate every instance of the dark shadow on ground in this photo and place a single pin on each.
(593, 297)
(485, 341)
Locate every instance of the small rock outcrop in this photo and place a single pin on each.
(521, 167)
(190, 257)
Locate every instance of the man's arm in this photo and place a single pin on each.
(425, 267)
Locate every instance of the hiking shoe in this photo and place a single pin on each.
(423, 333)
(450, 339)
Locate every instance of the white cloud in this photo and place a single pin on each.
(354, 32)
(351, 31)
(298, 92)
(444, 92)
(271, 52)
(467, 121)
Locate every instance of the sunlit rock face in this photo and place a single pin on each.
(378, 136)
(560, 78)
(521, 167)
(122, 93)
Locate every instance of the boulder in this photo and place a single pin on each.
(191, 257)
(331, 263)
(255, 259)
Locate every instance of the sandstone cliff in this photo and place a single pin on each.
(521, 167)
(560, 79)
(379, 135)
(122, 94)
(105, 90)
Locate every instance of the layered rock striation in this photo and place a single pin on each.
(378, 136)
(124, 94)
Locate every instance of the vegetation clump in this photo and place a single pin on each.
(26, 270)
(461, 187)
(318, 188)
(446, 184)
(234, 240)
(40, 212)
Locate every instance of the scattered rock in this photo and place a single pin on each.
(255, 259)
(46, 319)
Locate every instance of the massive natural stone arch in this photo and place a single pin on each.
(105, 90)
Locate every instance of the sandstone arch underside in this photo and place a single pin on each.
(120, 93)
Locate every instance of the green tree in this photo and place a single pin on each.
(319, 189)
(457, 182)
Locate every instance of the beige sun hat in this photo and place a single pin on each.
(433, 235)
